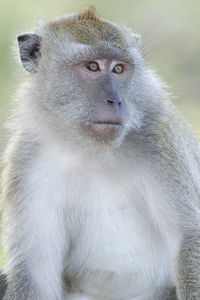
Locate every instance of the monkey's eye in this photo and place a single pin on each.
(118, 69)
(92, 66)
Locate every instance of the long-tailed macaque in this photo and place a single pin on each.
(101, 186)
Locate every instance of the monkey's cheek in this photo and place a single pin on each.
(105, 131)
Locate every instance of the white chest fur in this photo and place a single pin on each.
(115, 247)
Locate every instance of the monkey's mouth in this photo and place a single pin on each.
(105, 129)
(109, 123)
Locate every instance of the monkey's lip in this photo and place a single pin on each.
(109, 123)
(105, 129)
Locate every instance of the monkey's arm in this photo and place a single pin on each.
(186, 202)
(32, 227)
(188, 267)
(173, 154)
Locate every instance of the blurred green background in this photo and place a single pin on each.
(170, 32)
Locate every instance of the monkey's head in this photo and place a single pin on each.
(89, 77)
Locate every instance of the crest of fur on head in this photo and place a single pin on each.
(88, 13)
(88, 28)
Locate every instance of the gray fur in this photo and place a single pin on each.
(189, 267)
(164, 293)
(3, 284)
(151, 170)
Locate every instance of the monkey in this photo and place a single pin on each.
(101, 182)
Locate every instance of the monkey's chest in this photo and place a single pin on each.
(116, 250)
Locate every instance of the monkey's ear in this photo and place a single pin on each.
(29, 49)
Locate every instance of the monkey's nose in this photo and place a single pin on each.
(114, 102)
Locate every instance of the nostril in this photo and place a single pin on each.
(110, 101)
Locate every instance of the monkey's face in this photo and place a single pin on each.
(87, 91)
(102, 81)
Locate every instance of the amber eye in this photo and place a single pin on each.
(92, 66)
(118, 69)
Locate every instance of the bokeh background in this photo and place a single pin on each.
(170, 32)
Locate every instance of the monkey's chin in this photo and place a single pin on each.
(105, 131)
